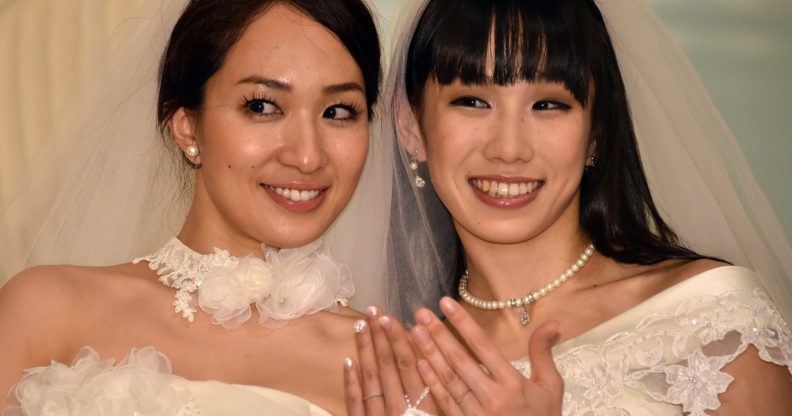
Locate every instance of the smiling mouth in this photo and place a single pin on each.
(295, 195)
(505, 190)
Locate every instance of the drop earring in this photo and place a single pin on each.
(419, 181)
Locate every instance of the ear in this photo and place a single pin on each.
(591, 153)
(182, 126)
(408, 128)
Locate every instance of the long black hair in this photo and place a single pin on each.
(562, 41)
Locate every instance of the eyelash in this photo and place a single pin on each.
(248, 101)
(353, 108)
(542, 105)
(557, 105)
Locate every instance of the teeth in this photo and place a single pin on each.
(295, 194)
(505, 189)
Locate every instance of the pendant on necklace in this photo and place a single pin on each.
(524, 318)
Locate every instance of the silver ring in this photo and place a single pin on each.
(373, 395)
(457, 401)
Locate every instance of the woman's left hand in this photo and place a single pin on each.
(460, 386)
(387, 382)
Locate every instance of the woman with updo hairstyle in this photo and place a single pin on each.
(566, 191)
(268, 105)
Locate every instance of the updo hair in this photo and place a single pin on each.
(208, 29)
(563, 41)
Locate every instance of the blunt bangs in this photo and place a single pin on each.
(535, 40)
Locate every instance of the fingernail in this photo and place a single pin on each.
(423, 316)
(447, 305)
(421, 335)
(348, 363)
(359, 326)
(371, 311)
(385, 322)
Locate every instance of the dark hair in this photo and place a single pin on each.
(207, 29)
(562, 41)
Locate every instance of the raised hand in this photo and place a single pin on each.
(460, 386)
(387, 380)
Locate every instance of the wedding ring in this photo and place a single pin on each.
(410, 404)
(458, 400)
(373, 395)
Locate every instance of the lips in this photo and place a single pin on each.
(505, 189)
(508, 193)
(296, 198)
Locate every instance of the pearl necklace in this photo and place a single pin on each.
(526, 300)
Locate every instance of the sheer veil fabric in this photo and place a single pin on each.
(698, 175)
(105, 188)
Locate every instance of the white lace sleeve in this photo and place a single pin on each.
(673, 361)
(139, 385)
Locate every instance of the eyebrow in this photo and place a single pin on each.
(280, 85)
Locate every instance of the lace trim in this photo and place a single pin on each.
(289, 283)
(673, 358)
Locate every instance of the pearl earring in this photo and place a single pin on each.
(191, 150)
(419, 181)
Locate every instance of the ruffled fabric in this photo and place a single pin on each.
(138, 385)
(674, 359)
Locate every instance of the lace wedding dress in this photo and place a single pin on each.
(666, 355)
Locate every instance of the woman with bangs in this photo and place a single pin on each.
(523, 200)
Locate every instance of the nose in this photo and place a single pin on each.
(303, 146)
(509, 138)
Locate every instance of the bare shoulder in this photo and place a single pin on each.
(648, 280)
(47, 309)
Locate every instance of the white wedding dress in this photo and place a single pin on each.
(142, 384)
(666, 355)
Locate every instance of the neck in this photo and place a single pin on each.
(204, 230)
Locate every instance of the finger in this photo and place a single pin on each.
(487, 353)
(353, 392)
(543, 369)
(373, 401)
(453, 366)
(443, 400)
(386, 363)
(406, 360)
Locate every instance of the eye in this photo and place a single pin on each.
(471, 102)
(342, 112)
(261, 106)
(546, 105)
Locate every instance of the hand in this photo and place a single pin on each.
(388, 371)
(459, 384)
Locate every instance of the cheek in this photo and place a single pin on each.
(349, 155)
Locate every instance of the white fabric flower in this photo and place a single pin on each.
(137, 385)
(226, 293)
(697, 385)
(309, 280)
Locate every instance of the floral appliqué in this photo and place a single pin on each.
(287, 284)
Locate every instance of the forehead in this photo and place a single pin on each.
(285, 44)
